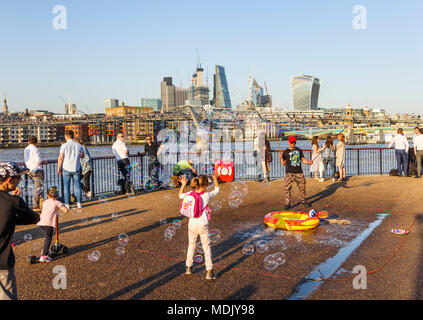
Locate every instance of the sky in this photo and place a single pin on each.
(123, 49)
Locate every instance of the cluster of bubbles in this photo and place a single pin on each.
(151, 185)
(171, 231)
(236, 196)
(272, 261)
(123, 240)
(94, 256)
(215, 205)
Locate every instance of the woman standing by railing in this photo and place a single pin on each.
(340, 156)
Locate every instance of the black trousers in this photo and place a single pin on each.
(86, 184)
(123, 167)
(47, 238)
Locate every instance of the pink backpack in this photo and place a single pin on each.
(191, 205)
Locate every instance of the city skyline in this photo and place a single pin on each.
(94, 59)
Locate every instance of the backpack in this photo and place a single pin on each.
(191, 205)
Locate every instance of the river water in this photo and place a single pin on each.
(52, 153)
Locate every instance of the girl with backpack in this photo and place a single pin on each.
(328, 156)
(195, 206)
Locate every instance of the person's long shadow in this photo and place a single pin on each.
(327, 192)
(64, 227)
(243, 294)
(177, 269)
(81, 248)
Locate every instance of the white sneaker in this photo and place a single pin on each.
(321, 180)
(79, 205)
(67, 206)
(89, 195)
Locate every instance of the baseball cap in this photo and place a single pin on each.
(11, 169)
(292, 139)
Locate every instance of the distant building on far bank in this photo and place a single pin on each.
(122, 111)
(305, 92)
(168, 94)
(111, 103)
(156, 104)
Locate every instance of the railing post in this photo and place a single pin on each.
(26, 189)
(93, 180)
(380, 161)
(358, 162)
(62, 186)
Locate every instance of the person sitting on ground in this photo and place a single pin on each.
(199, 226)
(13, 211)
(47, 221)
(292, 158)
(184, 167)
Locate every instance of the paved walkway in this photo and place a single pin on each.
(129, 273)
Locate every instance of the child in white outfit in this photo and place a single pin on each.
(200, 225)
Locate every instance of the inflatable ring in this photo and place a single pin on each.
(289, 220)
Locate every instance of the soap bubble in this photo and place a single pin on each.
(156, 173)
(94, 256)
(235, 199)
(27, 237)
(150, 185)
(270, 262)
(120, 251)
(123, 239)
(102, 199)
(96, 219)
(278, 242)
(115, 216)
(163, 221)
(131, 197)
(234, 204)
(240, 186)
(177, 224)
(84, 220)
(248, 249)
(199, 248)
(76, 211)
(262, 246)
(215, 205)
(198, 258)
(280, 258)
(168, 237)
(214, 235)
(171, 230)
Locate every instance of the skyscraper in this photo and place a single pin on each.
(199, 91)
(305, 92)
(221, 91)
(168, 95)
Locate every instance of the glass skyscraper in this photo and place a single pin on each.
(305, 92)
(221, 90)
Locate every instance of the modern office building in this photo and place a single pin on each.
(123, 110)
(156, 104)
(168, 95)
(111, 103)
(221, 98)
(305, 92)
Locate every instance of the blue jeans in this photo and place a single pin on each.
(329, 164)
(67, 176)
(402, 161)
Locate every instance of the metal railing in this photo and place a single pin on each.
(358, 161)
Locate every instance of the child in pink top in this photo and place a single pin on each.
(48, 217)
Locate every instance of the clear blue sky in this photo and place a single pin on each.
(123, 49)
